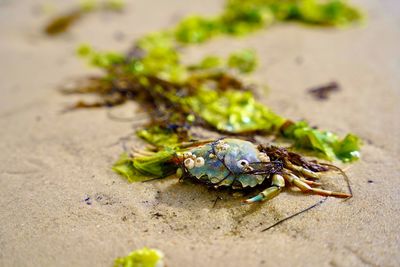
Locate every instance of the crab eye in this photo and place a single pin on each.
(242, 163)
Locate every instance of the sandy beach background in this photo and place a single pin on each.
(50, 162)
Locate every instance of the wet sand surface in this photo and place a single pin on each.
(61, 205)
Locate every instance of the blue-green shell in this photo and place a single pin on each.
(221, 167)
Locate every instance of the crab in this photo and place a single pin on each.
(240, 164)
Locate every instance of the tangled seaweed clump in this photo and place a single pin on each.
(210, 93)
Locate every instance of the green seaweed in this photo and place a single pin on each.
(144, 257)
(348, 149)
(124, 166)
(334, 13)
(196, 29)
(159, 58)
(245, 61)
(329, 145)
(233, 111)
(242, 17)
(99, 59)
(146, 167)
(159, 136)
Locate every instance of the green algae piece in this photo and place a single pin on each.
(241, 17)
(245, 61)
(143, 168)
(233, 111)
(156, 165)
(160, 58)
(158, 136)
(331, 13)
(102, 60)
(196, 29)
(244, 17)
(144, 257)
(324, 142)
(348, 149)
(209, 62)
(124, 167)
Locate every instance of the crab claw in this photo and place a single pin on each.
(256, 198)
(277, 183)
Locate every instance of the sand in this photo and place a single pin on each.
(51, 162)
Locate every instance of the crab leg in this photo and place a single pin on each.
(293, 179)
(287, 172)
(310, 182)
(307, 173)
(277, 184)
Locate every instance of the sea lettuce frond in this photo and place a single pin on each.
(143, 168)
